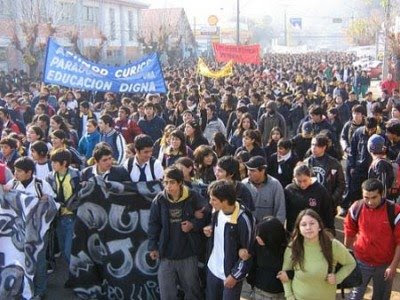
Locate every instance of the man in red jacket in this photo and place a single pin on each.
(128, 128)
(389, 84)
(372, 228)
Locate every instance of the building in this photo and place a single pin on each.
(104, 30)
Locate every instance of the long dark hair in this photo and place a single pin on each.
(61, 122)
(220, 142)
(273, 234)
(181, 136)
(239, 130)
(297, 244)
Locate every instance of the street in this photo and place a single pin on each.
(57, 291)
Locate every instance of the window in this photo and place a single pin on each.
(90, 14)
(112, 24)
(67, 11)
(131, 25)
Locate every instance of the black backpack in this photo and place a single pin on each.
(390, 207)
(152, 161)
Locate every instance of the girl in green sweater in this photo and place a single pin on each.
(310, 254)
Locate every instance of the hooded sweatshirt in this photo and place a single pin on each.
(315, 197)
(165, 232)
(270, 120)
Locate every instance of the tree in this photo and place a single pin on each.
(31, 21)
(93, 53)
(163, 31)
(363, 31)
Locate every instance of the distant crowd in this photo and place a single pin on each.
(254, 168)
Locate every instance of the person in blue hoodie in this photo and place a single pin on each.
(90, 139)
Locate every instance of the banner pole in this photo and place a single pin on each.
(45, 59)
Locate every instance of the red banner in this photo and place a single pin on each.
(242, 54)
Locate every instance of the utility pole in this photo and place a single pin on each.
(285, 27)
(387, 24)
(237, 23)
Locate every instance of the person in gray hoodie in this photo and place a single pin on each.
(270, 119)
(267, 192)
(214, 124)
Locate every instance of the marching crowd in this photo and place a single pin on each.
(254, 168)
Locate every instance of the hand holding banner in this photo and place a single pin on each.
(242, 54)
(62, 67)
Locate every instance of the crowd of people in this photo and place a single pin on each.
(254, 168)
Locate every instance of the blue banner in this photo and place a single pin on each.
(65, 68)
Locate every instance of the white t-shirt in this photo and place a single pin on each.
(217, 257)
(135, 173)
(84, 122)
(42, 170)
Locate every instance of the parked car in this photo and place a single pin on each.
(374, 69)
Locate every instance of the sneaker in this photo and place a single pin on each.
(57, 255)
(343, 212)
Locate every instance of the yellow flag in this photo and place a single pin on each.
(204, 70)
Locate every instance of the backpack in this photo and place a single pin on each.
(152, 161)
(394, 189)
(38, 187)
(390, 207)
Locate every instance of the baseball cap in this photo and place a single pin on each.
(256, 162)
(307, 127)
(376, 144)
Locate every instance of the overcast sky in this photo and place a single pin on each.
(250, 8)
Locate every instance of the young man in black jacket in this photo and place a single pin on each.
(174, 236)
(282, 163)
(103, 157)
(327, 170)
(232, 229)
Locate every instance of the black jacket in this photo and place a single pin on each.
(301, 145)
(244, 196)
(159, 222)
(359, 157)
(256, 151)
(117, 173)
(264, 269)
(197, 141)
(329, 173)
(238, 234)
(285, 176)
(315, 197)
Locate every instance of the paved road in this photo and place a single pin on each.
(57, 291)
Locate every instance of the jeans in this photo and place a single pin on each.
(40, 279)
(65, 231)
(261, 295)
(216, 290)
(183, 272)
(381, 287)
